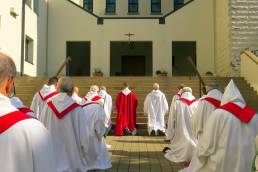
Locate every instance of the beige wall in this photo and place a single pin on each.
(249, 68)
(192, 23)
(222, 37)
(35, 28)
(10, 30)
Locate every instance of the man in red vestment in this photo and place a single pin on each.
(126, 104)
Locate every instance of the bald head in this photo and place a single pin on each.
(76, 90)
(156, 86)
(7, 67)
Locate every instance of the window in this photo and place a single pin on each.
(36, 6)
(88, 5)
(132, 6)
(155, 6)
(28, 2)
(29, 50)
(178, 4)
(110, 6)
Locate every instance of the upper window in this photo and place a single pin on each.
(88, 5)
(110, 6)
(155, 6)
(29, 50)
(178, 4)
(133, 6)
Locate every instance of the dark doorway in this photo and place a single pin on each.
(80, 55)
(181, 50)
(134, 59)
(133, 65)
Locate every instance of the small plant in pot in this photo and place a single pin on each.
(98, 73)
(161, 73)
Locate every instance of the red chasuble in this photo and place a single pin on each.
(126, 113)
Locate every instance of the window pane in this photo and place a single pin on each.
(133, 8)
(156, 8)
(155, 1)
(110, 6)
(88, 5)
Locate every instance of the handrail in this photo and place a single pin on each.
(246, 52)
(67, 60)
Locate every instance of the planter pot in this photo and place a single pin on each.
(98, 74)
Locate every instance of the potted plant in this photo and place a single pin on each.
(161, 73)
(98, 73)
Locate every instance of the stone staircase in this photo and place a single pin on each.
(27, 86)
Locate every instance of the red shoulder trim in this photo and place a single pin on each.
(48, 96)
(188, 102)
(244, 114)
(90, 103)
(60, 115)
(213, 101)
(25, 110)
(10, 119)
(96, 98)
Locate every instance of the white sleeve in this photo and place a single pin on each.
(165, 104)
(34, 104)
(146, 104)
(100, 123)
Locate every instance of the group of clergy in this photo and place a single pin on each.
(215, 133)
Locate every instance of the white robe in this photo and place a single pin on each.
(183, 142)
(77, 99)
(97, 155)
(203, 112)
(171, 120)
(91, 95)
(227, 144)
(107, 107)
(156, 107)
(37, 103)
(16, 102)
(70, 134)
(26, 146)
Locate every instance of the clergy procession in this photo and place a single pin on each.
(63, 132)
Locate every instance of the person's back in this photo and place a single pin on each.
(25, 143)
(126, 105)
(205, 107)
(97, 155)
(156, 106)
(46, 93)
(65, 121)
(228, 142)
(182, 142)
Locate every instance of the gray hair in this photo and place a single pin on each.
(7, 67)
(66, 85)
(103, 88)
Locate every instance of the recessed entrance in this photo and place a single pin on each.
(181, 50)
(134, 59)
(80, 55)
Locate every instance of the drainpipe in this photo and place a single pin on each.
(22, 37)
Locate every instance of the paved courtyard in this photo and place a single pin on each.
(139, 154)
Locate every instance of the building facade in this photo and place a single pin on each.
(119, 38)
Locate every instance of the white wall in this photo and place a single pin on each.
(10, 31)
(35, 28)
(192, 23)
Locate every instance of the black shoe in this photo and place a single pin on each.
(165, 150)
(127, 132)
